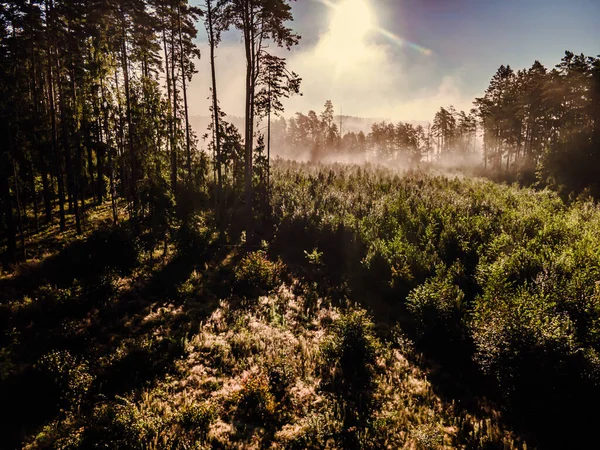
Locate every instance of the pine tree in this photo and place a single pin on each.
(260, 21)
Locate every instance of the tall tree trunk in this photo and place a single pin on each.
(5, 198)
(90, 161)
(40, 148)
(248, 44)
(485, 149)
(56, 156)
(66, 146)
(185, 102)
(130, 133)
(19, 215)
(34, 199)
(170, 140)
(269, 140)
(109, 153)
(174, 135)
(216, 118)
(121, 144)
(102, 140)
(111, 178)
(46, 191)
(77, 193)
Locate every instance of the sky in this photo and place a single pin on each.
(404, 59)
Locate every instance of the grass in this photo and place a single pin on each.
(457, 293)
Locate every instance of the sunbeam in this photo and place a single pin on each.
(347, 13)
(403, 42)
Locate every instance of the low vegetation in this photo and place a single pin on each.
(383, 311)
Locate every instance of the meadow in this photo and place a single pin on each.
(380, 310)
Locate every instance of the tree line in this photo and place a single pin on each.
(94, 105)
(541, 125)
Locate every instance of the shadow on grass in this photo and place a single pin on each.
(99, 324)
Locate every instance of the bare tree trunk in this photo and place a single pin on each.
(269, 141)
(111, 176)
(77, 176)
(19, 216)
(56, 157)
(185, 103)
(170, 116)
(11, 245)
(36, 222)
(43, 166)
(109, 154)
(248, 43)
(121, 145)
(130, 133)
(216, 118)
(102, 139)
(90, 166)
(174, 135)
(66, 147)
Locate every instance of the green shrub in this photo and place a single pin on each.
(158, 209)
(428, 437)
(70, 377)
(438, 309)
(281, 376)
(197, 419)
(256, 403)
(119, 427)
(193, 238)
(320, 431)
(256, 275)
(530, 351)
(349, 369)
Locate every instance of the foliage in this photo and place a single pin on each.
(439, 310)
(256, 275)
(502, 276)
(495, 284)
(70, 377)
(113, 248)
(255, 402)
(350, 370)
(192, 238)
(197, 418)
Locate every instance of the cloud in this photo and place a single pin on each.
(370, 78)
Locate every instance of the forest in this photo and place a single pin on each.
(288, 285)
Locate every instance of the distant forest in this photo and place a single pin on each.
(538, 125)
(94, 106)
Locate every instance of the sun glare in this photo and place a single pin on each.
(352, 21)
(345, 44)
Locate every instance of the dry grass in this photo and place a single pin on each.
(235, 346)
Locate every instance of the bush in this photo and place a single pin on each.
(281, 376)
(349, 366)
(256, 403)
(197, 419)
(193, 238)
(256, 275)
(69, 376)
(319, 432)
(530, 350)
(119, 427)
(112, 248)
(438, 309)
(158, 209)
